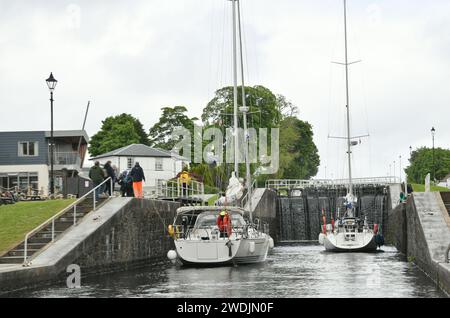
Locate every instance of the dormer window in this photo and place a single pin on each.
(28, 149)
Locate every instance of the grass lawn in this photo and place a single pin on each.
(16, 220)
(421, 188)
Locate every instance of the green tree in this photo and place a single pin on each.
(116, 132)
(421, 163)
(161, 133)
(286, 107)
(298, 154)
(262, 102)
(299, 157)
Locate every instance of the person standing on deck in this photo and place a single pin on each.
(137, 174)
(223, 222)
(185, 180)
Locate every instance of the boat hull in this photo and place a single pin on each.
(217, 253)
(363, 243)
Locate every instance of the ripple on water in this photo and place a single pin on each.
(290, 271)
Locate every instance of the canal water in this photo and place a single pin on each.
(291, 271)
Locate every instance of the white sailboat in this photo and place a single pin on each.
(195, 231)
(351, 234)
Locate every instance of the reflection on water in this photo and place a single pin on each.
(291, 271)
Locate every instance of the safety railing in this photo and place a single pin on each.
(298, 184)
(176, 189)
(185, 233)
(59, 214)
(11, 189)
(65, 158)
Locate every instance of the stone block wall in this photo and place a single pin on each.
(136, 235)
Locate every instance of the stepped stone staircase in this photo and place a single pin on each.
(446, 198)
(42, 238)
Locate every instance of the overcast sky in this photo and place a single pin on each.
(139, 56)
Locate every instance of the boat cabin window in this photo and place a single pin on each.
(209, 219)
(237, 220)
(206, 221)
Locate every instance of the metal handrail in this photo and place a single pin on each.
(66, 158)
(65, 210)
(174, 189)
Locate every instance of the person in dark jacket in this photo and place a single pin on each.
(126, 184)
(137, 174)
(110, 174)
(97, 176)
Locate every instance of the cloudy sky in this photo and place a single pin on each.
(138, 56)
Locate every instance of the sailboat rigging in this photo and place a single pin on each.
(351, 234)
(199, 233)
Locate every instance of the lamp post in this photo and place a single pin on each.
(433, 131)
(400, 168)
(51, 83)
(410, 151)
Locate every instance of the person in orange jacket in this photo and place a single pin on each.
(224, 224)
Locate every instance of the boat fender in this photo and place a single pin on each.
(171, 230)
(172, 256)
(375, 229)
(251, 247)
(271, 243)
(322, 238)
(229, 244)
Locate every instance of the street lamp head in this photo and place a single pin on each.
(51, 82)
(433, 130)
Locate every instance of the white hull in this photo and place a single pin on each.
(217, 252)
(361, 242)
(198, 241)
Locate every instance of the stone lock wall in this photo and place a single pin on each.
(136, 235)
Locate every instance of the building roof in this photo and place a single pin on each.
(136, 150)
(72, 134)
(68, 133)
(446, 178)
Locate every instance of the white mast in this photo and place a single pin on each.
(245, 110)
(235, 95)
(349, 142)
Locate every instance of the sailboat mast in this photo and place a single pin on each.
(349, 145)
(244, 112)
(235, 95)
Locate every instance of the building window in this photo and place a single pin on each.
(130, 163)
(159, 164)
(28, 148)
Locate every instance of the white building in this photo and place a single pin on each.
(445, 182)
(158, 164)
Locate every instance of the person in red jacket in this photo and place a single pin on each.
(224, 224)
